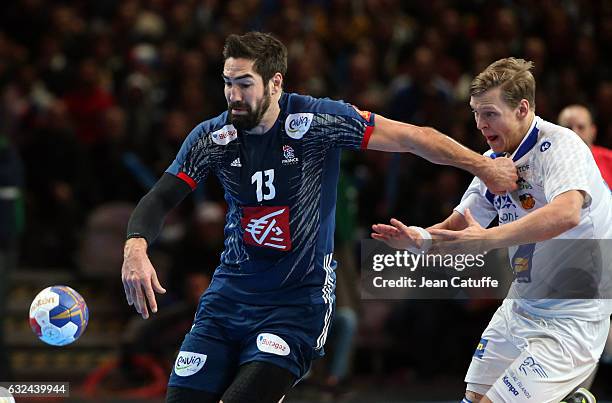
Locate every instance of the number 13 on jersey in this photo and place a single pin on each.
(261, 179)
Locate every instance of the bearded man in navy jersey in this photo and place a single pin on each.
(267, 312)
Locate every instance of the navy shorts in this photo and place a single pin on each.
(227, 334)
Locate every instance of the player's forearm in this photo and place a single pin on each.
(454, 222)
(545, 223)
(393, 136)
(441, 149)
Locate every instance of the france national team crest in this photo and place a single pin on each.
(267, 227)
(289, 157)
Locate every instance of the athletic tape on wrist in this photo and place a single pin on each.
(426, 236)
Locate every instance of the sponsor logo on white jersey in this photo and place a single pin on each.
(545, 146)
(509, 385)
(271, 343)
(297, 124)
(188, 363)
(236, 163)
(225, 135)
(523, 168)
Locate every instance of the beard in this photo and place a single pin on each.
(252, 117)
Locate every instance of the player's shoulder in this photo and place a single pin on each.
(557, 138)
(212, 124)
(217, 130)
(298, 103)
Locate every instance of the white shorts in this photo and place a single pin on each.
(524, 358)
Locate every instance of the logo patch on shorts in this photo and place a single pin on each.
(188, 363)
(271, 343)
(480, 349)
(530, 365)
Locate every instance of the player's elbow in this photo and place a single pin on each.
(569, 220)
(574, 219)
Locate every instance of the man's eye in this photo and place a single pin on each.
(490, 114)
(245, 85)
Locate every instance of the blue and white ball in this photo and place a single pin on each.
(58, 315)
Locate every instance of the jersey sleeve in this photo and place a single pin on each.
(565, 164)
(475, 198)
(193, 161)
(349, 127)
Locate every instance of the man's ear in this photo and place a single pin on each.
(276, 83)
(523, 109)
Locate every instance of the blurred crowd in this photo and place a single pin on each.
(97, 97)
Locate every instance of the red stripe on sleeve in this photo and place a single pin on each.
(366, 137)
(192, 184)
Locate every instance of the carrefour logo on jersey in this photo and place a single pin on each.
(225, 135)
(297, 124)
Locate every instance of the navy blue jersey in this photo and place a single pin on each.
(280, 189)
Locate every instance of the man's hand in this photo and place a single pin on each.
(500, 175)
(472, 239)
(397, 235)
(139, 277)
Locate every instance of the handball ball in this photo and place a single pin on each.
(58, 315)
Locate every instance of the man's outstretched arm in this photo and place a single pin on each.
(137, 273)
(398, 235)
(389, 135)
(547, 222)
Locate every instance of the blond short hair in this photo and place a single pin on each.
(514, 78)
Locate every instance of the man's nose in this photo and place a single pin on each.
(480, 122)
(235, 94)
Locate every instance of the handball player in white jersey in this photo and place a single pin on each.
(535, 349)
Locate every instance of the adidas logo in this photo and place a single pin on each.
(236, 163)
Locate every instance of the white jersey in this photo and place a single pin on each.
(550, 160)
